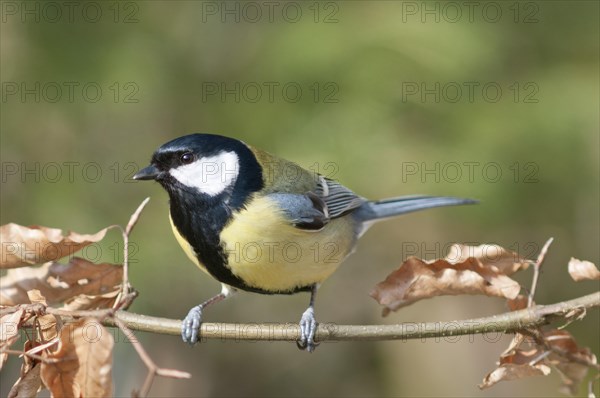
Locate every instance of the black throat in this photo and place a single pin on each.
(200, 218)
(200, 222)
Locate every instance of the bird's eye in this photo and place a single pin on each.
(187, 158)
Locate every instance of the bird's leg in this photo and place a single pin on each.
(190, 327)
(308, 325)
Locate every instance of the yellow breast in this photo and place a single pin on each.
(267, 252)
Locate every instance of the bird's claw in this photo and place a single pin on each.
(190, 327)
(308, 328)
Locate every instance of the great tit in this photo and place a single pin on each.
(260, 223)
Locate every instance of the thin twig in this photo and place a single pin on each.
(539, 358)
(536, 270)
(173, 373)
(153, 369)
(591, 386)
(32, 356)
(125, 282)
(143, 356)
(123, 299)
(135, 216)
(44, 346)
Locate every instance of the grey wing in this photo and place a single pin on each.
(313, 210)
(338, 199)
(306, 211)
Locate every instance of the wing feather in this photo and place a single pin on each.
(338, 199)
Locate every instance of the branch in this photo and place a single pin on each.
(505, 323)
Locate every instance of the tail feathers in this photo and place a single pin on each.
(376, 210)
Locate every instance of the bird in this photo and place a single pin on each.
(259, 223)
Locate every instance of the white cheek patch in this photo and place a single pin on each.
(210, 175)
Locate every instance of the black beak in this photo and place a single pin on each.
(147, 173)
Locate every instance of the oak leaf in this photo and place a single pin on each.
(84, 363)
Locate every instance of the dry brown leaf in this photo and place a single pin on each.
(518, 365)
(558, 350)
(6, 345)
(567, 359)
(29, 382)
(21, 246)
(85, 366)
(511, 371)
(27, 385)
(60, 282)
(506, 261)
(416, 280)
(564, 341)
(9, 325)
(47, 324)
(86, 302)
(9, 332)
(31, 347)
(571, 373)
(36, 297)
(583, 270)
(513, 346)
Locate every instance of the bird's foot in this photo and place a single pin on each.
(308, 328)
(190, 327)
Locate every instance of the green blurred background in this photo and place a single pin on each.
(377, 107)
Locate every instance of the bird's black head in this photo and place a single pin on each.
(212, 167)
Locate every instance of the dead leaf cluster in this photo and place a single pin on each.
(475, 270)
(537, 353)
(73, 359)
(69, 358)
(485, 270)
(79, 284)
(57, 356)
